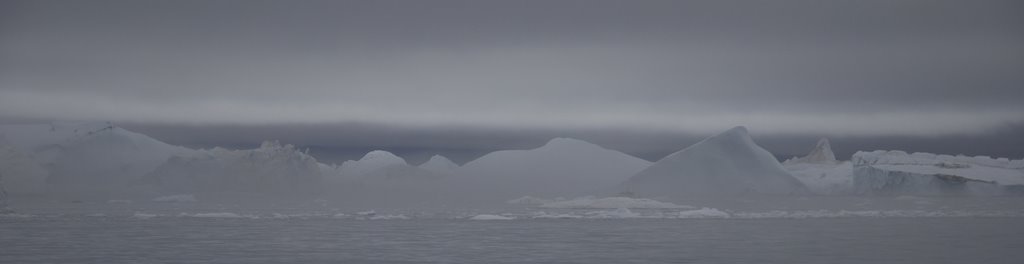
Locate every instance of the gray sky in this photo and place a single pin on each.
(486, 74)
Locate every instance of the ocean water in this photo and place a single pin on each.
(313, 238)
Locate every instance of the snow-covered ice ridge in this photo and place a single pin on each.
(896, 157)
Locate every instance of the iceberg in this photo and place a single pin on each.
(20, 172)
(95, 156)
(271, 168)
(562, 167)
(372, 161)
(821, 154)
(821, 172)
(440, 165)
(897, 172)
(724, 165)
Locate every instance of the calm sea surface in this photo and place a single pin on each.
(142, 239)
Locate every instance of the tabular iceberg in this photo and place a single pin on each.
(896, 172)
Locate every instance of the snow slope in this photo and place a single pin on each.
(20, 171)
(372, 161)
(726, 164)
(90, 156)
(440, 165)
(562, 167)
(897, 172)
(271, 168)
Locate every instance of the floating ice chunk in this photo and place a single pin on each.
(544, 215)
(177, 198)
(144, 215)
(617, 213)
(528, 200)
(613, 202)
(389, 217)
(15, 215)
(703, 213)
(219, 215)
(490, 217)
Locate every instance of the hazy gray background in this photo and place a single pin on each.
(467, 77)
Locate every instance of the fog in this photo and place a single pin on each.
(528, 131)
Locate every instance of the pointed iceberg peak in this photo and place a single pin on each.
(565, 141)
(738, 132)
(822, 154)
(441, 159)
(439, 164)
(726, 164)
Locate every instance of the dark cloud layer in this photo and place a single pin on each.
(477, 75)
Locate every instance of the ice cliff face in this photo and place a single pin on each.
(723, 165)
(896, 172)
(562, 167)
(272, 168)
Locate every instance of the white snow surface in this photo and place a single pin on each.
(612, 203)
(440, 165)
(723, 165)
(562, 167)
